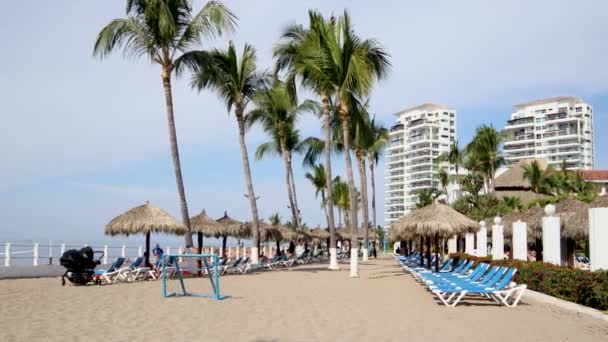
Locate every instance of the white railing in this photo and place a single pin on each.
(35, 253)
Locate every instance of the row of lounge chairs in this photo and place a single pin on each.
(453, 282)
(116, 272)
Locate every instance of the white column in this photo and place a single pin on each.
(105, 254)
(221, 251)
(140, 252)
(598, 238)
(123, 252)
(520, 241)
(36, 253)
(237, 251)
(469, 243)
(498, 239)
(168, 250)
(482, 240)
(62, 249)
(244, 252)
(551, 237)
(7, 254)
(452, 244)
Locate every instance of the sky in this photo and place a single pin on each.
(84, 139)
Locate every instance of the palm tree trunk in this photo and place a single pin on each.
(292, 206)
(373, 181)
(324, 206)
(293, 191)
(224, 239)
(365, 211)
(166, 76)
(249, 185)
(333, 259)
(354, 253)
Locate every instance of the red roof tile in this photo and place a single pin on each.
(591, 175)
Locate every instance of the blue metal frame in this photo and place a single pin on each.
(214, 280)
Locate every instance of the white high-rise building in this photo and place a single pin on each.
(556, 129)
(418, 137)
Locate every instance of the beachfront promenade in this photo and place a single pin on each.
(306, 303)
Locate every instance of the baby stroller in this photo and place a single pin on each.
(80, 265)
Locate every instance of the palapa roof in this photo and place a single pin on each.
(574, 216)
(525, 196)
(319, 234)
(513, 178)
(268, 232)
(434, 219)
(372, 234)
(202, 223)
(232, 227)
(144, 219)
(295, 235)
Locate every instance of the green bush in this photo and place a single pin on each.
(574, 285)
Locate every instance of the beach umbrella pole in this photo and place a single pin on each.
(147, 257)
(421, 251)
(436, 253)
(428, 253)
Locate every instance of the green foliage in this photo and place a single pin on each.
(574, 285)
(426, 197)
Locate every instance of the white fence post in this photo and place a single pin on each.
(520, 241)
(221, 251)
(105, 254)
(452, 244)
(36, 253)
(140, 252)
(498, 239)
(551, 237)
(168, 250)
(237, 251)
(482, 240)
(124, 252)
(62, 249)
(469, 241)
(7, 254)
(598, 237)
(50, 252)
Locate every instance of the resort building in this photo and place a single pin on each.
(556, 129)
(599, 178)
(419, 135)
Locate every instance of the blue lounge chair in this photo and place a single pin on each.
(110, 274)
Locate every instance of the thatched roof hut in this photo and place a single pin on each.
(574, 216)
(269, 232)
(295, 235)
(372, 234)
(144, 219)
(513, 178)
(204, 224)
(319, 234)
(435, 219)
(232, 227)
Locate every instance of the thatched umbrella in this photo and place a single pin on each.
(204, 225)
(434, 221)
(319, 234)
(230, 227)
(145, 219)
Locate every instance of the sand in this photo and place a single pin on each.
(306, 303)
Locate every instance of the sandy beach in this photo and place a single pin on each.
(306, 303)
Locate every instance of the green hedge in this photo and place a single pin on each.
(574, 285)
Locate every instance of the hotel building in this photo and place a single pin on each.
(419, 135)
(556, 129)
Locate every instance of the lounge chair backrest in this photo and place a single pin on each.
(459, 265)
(136, 263)
(490, 273)
(237, 261)
(467, 267)
(478, 272)
(491, 281)
(223, 262)
(445, 265)
(245, 261)
(116, 264)
(504, 281)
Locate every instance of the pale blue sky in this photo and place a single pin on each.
(83, 139)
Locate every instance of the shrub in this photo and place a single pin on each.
(574, 285)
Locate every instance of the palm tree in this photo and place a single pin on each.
(278, 114)
(444, 181)
(512, 203)
(236, 81)
(340, 190)
(352, 65)
(319, 180)
(298, 53)
(454, 157)
(379, 140)
(534, 175)
(426, 197)
(162, 30)
(484, 150)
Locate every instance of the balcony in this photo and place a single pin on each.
(521, 121)
(397, 127)
(560, 133)
(557, 116)
(522, 137)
